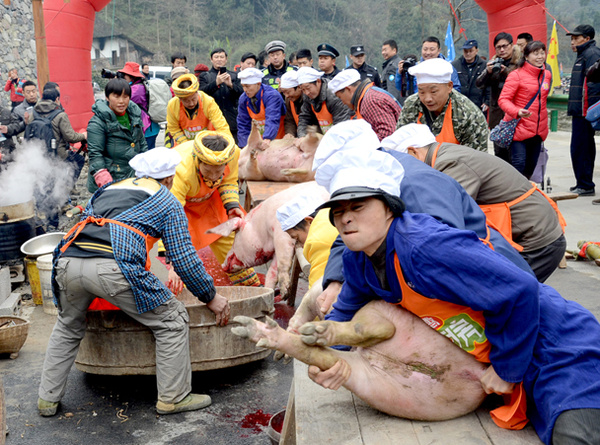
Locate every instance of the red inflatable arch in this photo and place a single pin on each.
(515, 17)
(70, 28)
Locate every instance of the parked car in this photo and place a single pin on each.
(159, 72)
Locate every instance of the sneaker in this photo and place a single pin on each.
(191, 402)
(584, 192)
(571, 189)
(47, 409)
(596, 202)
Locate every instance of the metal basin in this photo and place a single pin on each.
(42, 245)
(115, 344)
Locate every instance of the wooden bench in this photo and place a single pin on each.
(316, 415)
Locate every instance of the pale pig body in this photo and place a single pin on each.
(285, 160)
(259, 238)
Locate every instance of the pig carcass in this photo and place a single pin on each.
(285, 160)
(400, 365)
(259, 238)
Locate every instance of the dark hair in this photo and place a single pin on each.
(185, 84)
(50, 94)
(218, 50)
(531, 47)
(117, 86)
(292, 57)
(392, 44)
(302, 225)
(525, 35)
(51, 85)
(28, 83)
(215, 142)
(356, 84)
(433, 39)
(247, 56)
(304, 54)
(503, 36)
(145, 64)
(261, 57)
(178, 56)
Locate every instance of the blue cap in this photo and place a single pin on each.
(470, 44)
(327, 50)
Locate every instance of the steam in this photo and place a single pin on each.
(35, 174)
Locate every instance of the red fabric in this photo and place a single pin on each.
(521, 85)
(10, 86)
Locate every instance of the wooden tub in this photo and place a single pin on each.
(115, 344)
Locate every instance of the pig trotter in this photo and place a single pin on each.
(294, 171)
(265, 335)
(320, 333)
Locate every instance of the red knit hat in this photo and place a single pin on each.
(132, 68)
(200, 67)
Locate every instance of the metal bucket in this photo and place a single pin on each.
(115, 344)
(17, 225)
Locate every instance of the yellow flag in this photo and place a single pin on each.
(552, 58)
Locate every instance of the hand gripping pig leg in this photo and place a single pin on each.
(270, 335)
(368, 327)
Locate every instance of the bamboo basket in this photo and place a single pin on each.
(12, 338)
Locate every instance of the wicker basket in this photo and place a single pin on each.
(12, 338)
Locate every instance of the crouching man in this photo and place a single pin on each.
(534, 340)
(107, 255)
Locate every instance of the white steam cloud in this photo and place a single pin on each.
(35, 174)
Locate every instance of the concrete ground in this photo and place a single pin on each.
(111, 410)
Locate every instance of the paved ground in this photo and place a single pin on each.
(112, 410)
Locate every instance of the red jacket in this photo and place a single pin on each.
(520, 86)
(16, 93)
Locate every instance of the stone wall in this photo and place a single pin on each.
(17, 43)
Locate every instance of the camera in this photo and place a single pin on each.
(497, 65)
(409, 62)
(108, 74)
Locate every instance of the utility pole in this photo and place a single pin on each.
(41, 51)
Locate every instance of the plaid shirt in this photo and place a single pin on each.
(159, 216)
(381, 111)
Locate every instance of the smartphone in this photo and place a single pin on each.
(222, 70)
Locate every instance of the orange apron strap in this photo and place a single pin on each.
(486, 240)
(294, 112)
(447, 133)
(561, 219)
(513, 415)
(435, 153)
(523, 196)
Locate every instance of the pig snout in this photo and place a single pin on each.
(232, 264)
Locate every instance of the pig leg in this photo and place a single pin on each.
(308, 309)
(271, 276)
(248, 165)
(368, 327)
(284, 253)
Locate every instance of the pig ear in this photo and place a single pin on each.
(255, 138)
(227, 227)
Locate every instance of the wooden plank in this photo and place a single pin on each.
(288, 430)
(323, 416)
(500, 436)
(465, 430)
(379, 428)
(258, 191)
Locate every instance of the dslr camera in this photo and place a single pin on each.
(497, 65)
(108, 74)
(408, 63)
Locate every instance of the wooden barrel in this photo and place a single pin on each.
(115, 344)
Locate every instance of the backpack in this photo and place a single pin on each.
(593, 115)
(158, 95)
(41, 128)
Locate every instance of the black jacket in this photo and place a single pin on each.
(388, 75)
(468, 74)
(225, 97)
(332, 74)
(368, 72)
(14, 126)
(587, 55)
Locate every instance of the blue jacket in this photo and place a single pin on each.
(445, 200)
(454, 78)
(274, 110)
(550, 344)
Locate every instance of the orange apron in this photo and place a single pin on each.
(465, 327)
(261, 117)
(100, 304)
(294, 112)
(324, 117)
(447, 133)
(191, 127)
(498, 215)
(357, 114)
(205, 211)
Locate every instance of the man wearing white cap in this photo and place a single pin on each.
(320, 103)
(278, 66)
(262, 104)
(522, 332)
(378, 107)
(107, 255)
(533, 222)
(424, 190)
(451, 116)
(293, 102)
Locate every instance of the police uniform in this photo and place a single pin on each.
(366, 71)
(325, 49)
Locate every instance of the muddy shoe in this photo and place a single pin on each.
(47, 409)
(191, 402)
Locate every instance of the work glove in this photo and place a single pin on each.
(102, 177)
